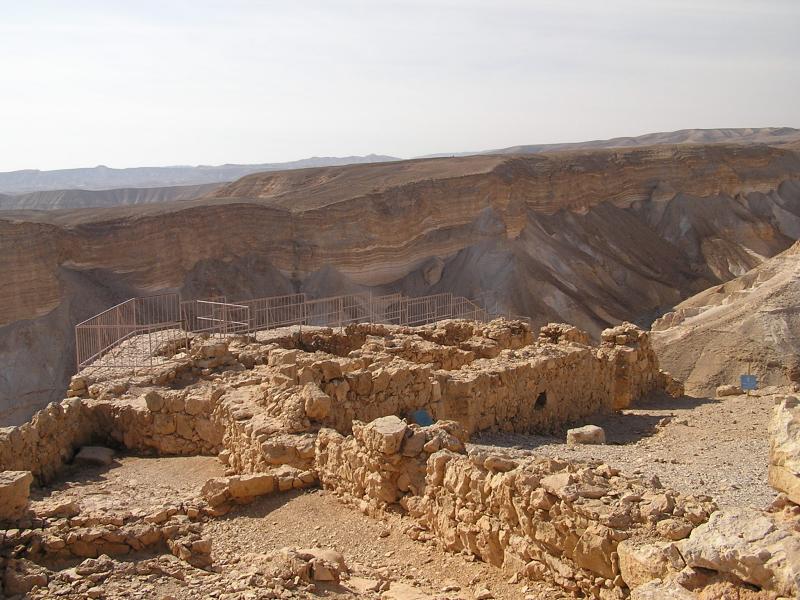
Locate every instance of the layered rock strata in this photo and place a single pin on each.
(592, 238)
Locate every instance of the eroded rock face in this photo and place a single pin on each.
(718, 208)
(784, 447)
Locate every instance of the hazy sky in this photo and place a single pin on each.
(126, 83)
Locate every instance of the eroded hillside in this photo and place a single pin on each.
(747, 323)
(591, 237)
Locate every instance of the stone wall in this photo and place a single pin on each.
(277, 408)
(544, 519)
(263, 401)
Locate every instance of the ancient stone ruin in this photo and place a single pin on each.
(382, 416)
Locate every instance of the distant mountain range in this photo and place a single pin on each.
(58, 199)
(771, 136)
(104, 186)
(104, 178)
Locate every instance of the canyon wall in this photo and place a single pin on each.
(592, 238)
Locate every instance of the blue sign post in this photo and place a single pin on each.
(748, 382)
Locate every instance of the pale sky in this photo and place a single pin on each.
(145, 83)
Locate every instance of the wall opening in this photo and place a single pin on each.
(541, 401)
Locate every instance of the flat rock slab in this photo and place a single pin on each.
(588, 434)
(95, 455)
(14, 493)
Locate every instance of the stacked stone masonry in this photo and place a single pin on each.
(270, 406)
(543, 519)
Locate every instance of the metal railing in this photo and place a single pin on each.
(275, 311)
(222, 318)
(140, 332)
(147, 331)
(189, 314)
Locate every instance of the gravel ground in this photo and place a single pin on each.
(371, 548)
(717, 447)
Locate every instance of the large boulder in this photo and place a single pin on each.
(14, 493)
(784, 447)
(757, 548)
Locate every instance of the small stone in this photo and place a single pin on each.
(588, 434)
(728, 390)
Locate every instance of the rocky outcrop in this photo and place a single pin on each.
(593, 238)
(749, 322)
(784, 447)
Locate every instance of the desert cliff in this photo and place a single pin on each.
(589, 237)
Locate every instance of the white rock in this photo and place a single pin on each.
(588, 434)
(95, 455)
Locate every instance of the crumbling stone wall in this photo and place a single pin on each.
(262, 402)
(44, 443)
(544, 519)
(383, 461)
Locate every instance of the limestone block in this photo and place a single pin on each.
(175, 403)
(317, 403)
(183, 425)
(14, 493)
(154, 400)
(164, 424)
(196, 405)
(588, 434)
(383, 435)
(643, 562)
(243, 486)
(784, 447)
